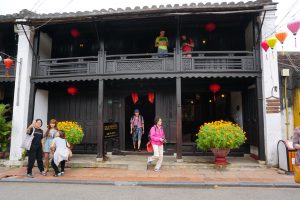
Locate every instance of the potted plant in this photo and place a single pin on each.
(5, 129)
(73, 131)
(220, 137)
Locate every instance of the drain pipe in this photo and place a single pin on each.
(285, 73)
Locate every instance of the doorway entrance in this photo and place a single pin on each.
(147, 110)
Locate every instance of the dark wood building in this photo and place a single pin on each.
(112, 55)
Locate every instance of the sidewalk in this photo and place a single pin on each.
(240, 175)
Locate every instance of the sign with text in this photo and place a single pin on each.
(111, 136)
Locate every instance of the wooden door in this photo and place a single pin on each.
(250, 116)
(166, 109)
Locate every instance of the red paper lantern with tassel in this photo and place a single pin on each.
(209, 27)
(135, 97)
(214, 88)
(8, 63)
(151, 97)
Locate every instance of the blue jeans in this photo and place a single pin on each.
(162, 53)
(137, 134)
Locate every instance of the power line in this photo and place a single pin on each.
(34, 5)
(52, 17)
(279, 24)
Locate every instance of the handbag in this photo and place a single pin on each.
(149, 147)
(26, 144)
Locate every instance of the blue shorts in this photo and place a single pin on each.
(137, 134)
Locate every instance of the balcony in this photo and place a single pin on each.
(150, 63)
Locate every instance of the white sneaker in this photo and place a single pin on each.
(149, 161)
(156, 170)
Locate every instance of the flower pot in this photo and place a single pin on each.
(2, 155)
(220, 155)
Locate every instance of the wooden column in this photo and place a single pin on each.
(178, 119)
(261, 136)
(100, 147)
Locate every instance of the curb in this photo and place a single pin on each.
(210, 184)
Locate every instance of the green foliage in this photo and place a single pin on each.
(5, 127)
(74, 132)
(220, 134)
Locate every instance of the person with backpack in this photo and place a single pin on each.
(137, 129)
(157, 139)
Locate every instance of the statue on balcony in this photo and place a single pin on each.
(162, 43)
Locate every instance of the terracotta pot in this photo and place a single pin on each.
(220, 155)
(2, 155)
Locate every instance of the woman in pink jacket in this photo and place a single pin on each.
(157, 138)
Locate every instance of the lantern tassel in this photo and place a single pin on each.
(295, 42)
(7, 73)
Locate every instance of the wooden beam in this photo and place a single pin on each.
(100, 142)
(261, 140)
(178, 119)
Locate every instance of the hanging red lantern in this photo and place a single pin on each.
(214, 88)
(294, 27)
(72, 90)
(265, 47)
(209, 27)
(151, 97)
(75, 33)
(135, 97)
(8, 63)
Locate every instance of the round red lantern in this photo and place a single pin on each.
(72, 90)
(75, 33)
(8, 63)
(214, 88)
(209, 27)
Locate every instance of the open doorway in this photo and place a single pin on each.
(147, 110)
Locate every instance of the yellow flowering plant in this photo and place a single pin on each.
(73, 131)
(220, 134)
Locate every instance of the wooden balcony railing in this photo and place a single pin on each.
(212, 61)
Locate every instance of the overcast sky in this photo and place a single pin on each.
(288, 10)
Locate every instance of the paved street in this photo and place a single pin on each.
(33, 191)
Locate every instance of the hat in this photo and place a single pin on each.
(136, 111)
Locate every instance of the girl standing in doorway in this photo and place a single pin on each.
(157, 138)
(49, 136)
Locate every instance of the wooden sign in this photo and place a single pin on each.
(111, 136)
(273, 105)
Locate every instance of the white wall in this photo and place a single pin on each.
(236, 100)
(21, 92)
(291, 123)
(41, 106)
(270, 79)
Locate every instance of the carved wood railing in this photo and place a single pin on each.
(211, 61)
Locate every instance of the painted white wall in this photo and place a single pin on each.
(45, 46)
(236, 100)
(291, 123)
(21, 92)
(272, 121)
(41, 106)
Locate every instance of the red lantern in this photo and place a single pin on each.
(265, 46)
(72, 90)
(75, 33)
(214, 88)
(151, 97)
(135, 97)
(209, 27)
(8, 63)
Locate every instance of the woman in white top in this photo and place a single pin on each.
(61, 152)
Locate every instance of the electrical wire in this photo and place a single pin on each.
(286, 15)
(35, 28)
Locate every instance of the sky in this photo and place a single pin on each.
(288, 10)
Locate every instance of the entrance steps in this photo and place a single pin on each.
(139, 162)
